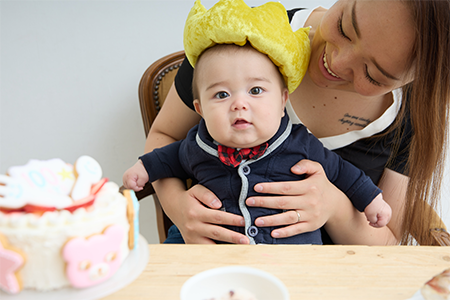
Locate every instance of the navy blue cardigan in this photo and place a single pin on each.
(196, 158)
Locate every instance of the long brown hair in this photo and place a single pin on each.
(428, 104)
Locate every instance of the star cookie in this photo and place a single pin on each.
(11, 260)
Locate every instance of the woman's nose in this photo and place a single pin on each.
(343, 60)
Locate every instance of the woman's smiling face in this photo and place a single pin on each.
(363, 47)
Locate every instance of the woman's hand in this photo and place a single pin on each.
(309, 200)
(196, 214)
(320, 203)
(201, 224)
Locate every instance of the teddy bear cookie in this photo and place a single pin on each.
(92, 260)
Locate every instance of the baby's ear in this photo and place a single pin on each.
(284, 98)
(198, 107)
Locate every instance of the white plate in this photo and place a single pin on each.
(128, 272)
(217, 282)
(417, 296)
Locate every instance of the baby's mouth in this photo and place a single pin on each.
(241, 123)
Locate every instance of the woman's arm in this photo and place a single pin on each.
(185, 208)
(320, 203)
(172, 122)
(394, 186)
(351, 227)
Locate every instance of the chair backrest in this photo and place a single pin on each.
(153, 88)
(155, 84)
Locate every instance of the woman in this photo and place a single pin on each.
(374, 65)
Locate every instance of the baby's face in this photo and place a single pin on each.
(242, 96)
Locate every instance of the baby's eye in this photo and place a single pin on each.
(222, 95)
(256, 90)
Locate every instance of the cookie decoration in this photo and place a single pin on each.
(95, 259)
(133, 218)
(49, 185)
(11, 261)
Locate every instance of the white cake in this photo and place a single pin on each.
(46, 245)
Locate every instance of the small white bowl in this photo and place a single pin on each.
(217, 282)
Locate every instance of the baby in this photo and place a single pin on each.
(245, 137)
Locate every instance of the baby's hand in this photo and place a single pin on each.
(378, 213)
(135, 177)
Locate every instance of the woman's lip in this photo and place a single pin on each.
(324, 71)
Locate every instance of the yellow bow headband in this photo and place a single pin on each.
(266, 27)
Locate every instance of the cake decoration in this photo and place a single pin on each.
(50, 185)
(39, 183)
(88, 172)
(133, 218)
(93, 260)
(39, 218)
(52, 176)
(11, 260)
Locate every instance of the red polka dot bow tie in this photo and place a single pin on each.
(233, 157)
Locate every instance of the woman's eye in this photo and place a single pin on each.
(370, 79)
(256, 91)
(222, 95)
(341, 29)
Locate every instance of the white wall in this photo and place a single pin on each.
(69, 77)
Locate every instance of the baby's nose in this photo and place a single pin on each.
(239, 103)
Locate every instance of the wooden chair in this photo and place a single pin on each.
(153, 88)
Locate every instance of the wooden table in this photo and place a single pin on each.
(309, 272)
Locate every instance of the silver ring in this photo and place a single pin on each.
(298, 216)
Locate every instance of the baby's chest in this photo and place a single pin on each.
(227, 182)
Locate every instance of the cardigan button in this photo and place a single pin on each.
(252, 231)
(246, 170)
